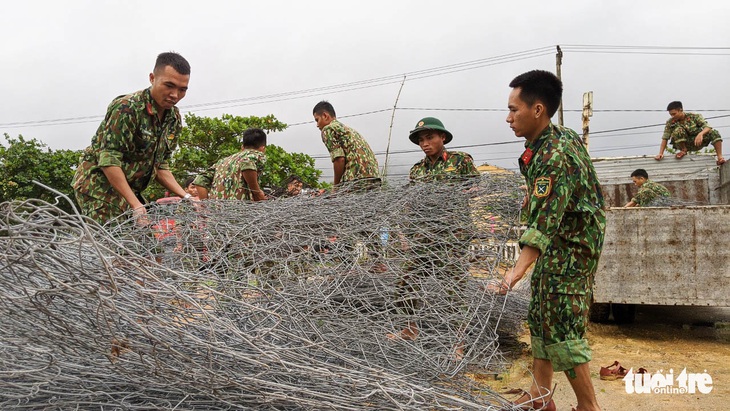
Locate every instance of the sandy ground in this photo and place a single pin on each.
(661, 338)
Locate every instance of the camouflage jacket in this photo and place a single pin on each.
(566, 219)
(450, 164)
(648, 192)
(342, 141)
(225, 179)
(692, 124)
(131, 137)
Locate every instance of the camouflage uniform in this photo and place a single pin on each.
(225, 179)
(566, 223)
(342, 141)
(686, 130)
(131, 137)
(451, 164)
(649, 192)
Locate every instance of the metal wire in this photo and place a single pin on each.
(353, 300)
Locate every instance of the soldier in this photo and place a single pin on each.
(190, 187)
(649, 192)
(237, 176)
(565, 228)
(688, 132)
(133, 145)
(439, 163)
(351, 155)
(291, 187)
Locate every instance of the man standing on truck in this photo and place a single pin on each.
(688, 132)
(650, 193)
(564, 235)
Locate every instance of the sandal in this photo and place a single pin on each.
(613, 372)
(526, 403)
(681, 154)
(720, 161)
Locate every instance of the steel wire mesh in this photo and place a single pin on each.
(352, 300)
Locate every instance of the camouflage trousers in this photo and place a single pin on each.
(681, 140)
(99, 210)
(557, 318)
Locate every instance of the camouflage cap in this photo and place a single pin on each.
(429, 123)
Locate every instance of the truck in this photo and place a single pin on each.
(673, 255)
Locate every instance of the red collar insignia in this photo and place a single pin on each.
(526, 156)
(149, 109)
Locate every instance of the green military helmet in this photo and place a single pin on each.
(429, 123)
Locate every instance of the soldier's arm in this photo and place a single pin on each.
(468, 167)
(337, 153)
(551, 192)
(339, 167)
(666, 135)
(528, 255)
(118, 180)
(662, 147)
(252, 181)
(167, 180)
(701, 135)
(643, 197)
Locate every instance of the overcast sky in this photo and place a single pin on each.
(68, 59)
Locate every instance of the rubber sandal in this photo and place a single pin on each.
(528, 404)
(720, 161)
(680, 154)
(611, 372)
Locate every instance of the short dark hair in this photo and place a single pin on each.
(540, 85)
(170, 58)
(675, 105)
(640, 172)
(254, 138)
(189, 181)
(324, 107)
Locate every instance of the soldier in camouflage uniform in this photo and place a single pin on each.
(650, 193)
(439, 163)
(236, 177)
(133, 145)
(564, 235)
(688, 132)
(352, 158)
(443, 166)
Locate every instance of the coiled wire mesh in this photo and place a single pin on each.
(352, 300)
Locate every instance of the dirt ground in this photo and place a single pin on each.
(661, 338)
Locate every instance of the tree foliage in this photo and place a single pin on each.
(205, 140)
(22, 161)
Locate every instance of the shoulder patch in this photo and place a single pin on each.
(543, 187)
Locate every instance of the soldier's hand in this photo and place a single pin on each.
(140, 215)
(659, 157)
(698, 140)
(499, 287)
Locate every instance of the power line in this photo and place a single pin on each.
(336, 88)
(411, 76)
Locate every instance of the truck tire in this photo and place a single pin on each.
(623, 313)
(599, 312)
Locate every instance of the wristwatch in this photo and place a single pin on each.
(187, 196)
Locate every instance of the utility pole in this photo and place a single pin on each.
(558, 63)
(587, 114)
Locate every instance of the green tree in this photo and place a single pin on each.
(205, 140)
(23, 161)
